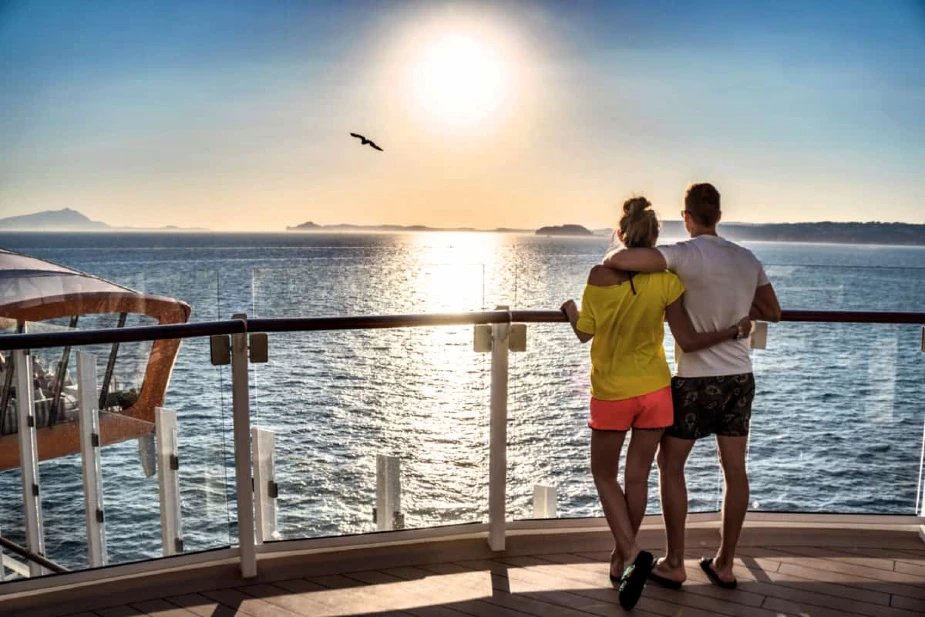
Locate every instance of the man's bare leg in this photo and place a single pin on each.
(672, 457)
(735, 502)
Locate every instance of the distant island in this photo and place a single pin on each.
(829, 232)
(564, 230)
(70, 220)
(310, 226)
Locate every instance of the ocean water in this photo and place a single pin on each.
(837, 421)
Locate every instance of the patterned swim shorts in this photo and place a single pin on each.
(706, 406)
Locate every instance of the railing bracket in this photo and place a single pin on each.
(220, 349)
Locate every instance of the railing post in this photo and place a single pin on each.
(388, 493)
(497, 454)
(168, 480)
(28, 458)
(240, 397)
(920, 489)
(544, 501)
(263, 443)
(89, 415)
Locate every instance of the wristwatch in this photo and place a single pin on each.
(740, 332)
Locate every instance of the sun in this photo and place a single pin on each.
(460, 80)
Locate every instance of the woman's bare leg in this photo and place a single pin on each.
(605, 465)
(639, 457)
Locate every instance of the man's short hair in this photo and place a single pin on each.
(702, 203)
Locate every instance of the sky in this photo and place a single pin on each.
(233, 115)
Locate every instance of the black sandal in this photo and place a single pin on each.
(707, 566)
(634, 579)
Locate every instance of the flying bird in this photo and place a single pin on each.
(364, 141)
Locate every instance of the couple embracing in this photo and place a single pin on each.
(709, 290)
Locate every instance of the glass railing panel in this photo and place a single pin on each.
(849, 288)
(128, 472)
(837, 420)
(137, 383)
(338, 401)
(549, 436)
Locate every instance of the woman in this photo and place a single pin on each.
(623, 313)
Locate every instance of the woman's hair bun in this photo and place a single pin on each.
(636, 205)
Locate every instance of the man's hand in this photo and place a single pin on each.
(636, 260)
(745, 327)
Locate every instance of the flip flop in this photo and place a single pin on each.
(661, 580)
(707, 566)
(634, 579)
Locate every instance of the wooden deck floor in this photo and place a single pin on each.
(781, 572)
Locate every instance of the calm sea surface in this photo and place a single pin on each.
(837, 423)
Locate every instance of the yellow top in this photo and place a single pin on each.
(627, 351)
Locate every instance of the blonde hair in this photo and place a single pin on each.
(638, 227)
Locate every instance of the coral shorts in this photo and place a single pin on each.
(653, 410)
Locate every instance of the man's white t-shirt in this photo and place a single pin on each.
(720, 278)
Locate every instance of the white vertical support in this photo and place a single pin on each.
(388, 493)
(920, 490)
(89, 422)
(240, 397)
(758, 338)
(168, 480)
(497, 449)
(28, 458)
(544, 501)
(263, 443)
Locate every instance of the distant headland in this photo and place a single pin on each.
(71, 220)
(564, 230)
(310, 226)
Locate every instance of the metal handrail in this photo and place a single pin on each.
(33, 557)
(371, 322)
(121, 335)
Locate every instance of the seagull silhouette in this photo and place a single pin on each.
(364, 141)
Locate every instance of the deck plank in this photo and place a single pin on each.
(911, 604)
(531, 601)
(783, 590)
(245, 604)
(203, 606)
(428, 608)
(549, 590)
(161, 608)
(839, 556)
(119, 611)
(486, 601)
(591, 597)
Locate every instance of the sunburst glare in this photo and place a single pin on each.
(460, 80)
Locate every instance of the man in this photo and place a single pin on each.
(713, 389)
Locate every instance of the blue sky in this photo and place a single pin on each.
(234, 115)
